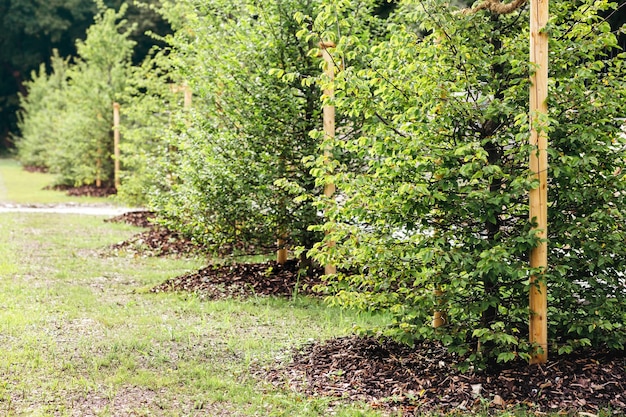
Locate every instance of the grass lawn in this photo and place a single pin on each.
(22, 187)
(81, 336)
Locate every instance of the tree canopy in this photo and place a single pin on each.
(433, 216)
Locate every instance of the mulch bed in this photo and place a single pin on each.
(85, 190)
(160, 241)
(422, 379)
(214, 281)
(138, 218)
(156, 241)
(244, 280)
(34, 168)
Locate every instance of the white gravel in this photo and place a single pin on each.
(87, 209)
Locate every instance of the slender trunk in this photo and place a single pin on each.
(494, 157)
(491, 281)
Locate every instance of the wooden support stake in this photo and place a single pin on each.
(99, 168)
(439, 317)
(329, 125)
(116, 144)
(187, 93)
(187, 96)
(281, 253)
(538, 325)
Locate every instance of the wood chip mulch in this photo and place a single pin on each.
(156, 241)
(392, 376)
(421, 379)
(160, 241)
(85, 190)
(244, 280)
(138, 218)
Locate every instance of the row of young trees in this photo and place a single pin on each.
(66, 118)
(429, 157)
(32, 29)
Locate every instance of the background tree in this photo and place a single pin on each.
(43, 110)
(248, 128)
(33, 28)
(79, 150)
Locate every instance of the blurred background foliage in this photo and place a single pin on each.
(32, 29)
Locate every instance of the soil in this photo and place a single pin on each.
(395, 377)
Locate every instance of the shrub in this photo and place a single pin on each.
(433, 214)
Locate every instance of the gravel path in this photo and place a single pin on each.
(87, 209)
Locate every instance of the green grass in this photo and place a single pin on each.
(80, 335)
(22, 187)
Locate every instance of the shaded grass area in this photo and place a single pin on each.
(80, 335)
(22, 187)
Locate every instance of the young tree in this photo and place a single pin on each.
(32, 29)
(42, 113)
(79, 151)
(228, 158)
(95, 79)
(434, 216)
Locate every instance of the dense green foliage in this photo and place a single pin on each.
(438, 199)
(218, 173)
(67, 119)
(42, 111)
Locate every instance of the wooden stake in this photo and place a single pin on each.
(99, 168)
(187, 96)
(539, 166)
(329, 125)
(439, 317)
(281, 253)
(187, 93)
(116, 144)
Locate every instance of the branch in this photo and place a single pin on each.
(497, 7)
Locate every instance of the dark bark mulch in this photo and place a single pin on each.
(85, 190)
(245, 280)
(160, 241)
(423, 379)
(156, 241)
(138, 218)
(33, 168)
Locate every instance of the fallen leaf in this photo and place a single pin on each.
(498, 401)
